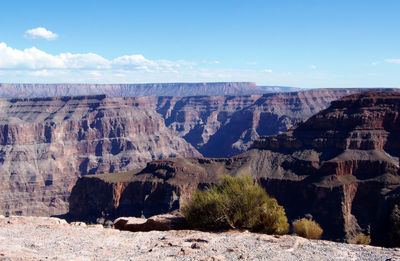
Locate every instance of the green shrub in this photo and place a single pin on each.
(236, 203)
(307, 228)
(363, 239)
(272, 219)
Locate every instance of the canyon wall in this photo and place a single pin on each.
(341, 166)
(47, 143)
(223, 126)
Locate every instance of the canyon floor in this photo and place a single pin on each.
(43, 238)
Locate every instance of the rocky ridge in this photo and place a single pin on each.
(21, 90)
(341, 166)
(38, 238)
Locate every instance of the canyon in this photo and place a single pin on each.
(223, 126)
(341, 166)
(48, 142)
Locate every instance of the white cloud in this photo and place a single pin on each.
(392, 60)
(374, 63)
(40, 33)
(135, 62)
(35, 59)
(313, 67)
(32, 65)
(252, 63)
(30, 58)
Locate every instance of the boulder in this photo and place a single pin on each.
(160, 222)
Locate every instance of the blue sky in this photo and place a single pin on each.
(296, 43)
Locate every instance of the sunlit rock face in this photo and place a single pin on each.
(46, 143)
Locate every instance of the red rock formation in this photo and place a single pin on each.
(352, 145)
(55, 140)
(223, 126)
(341, 166)
(46, 143)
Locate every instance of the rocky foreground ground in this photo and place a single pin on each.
(33, 238)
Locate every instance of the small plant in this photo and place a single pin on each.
(363, 239)
(307, 228)
(237, 202)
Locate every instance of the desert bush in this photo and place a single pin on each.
(272, 219)
(363, 239)
(307, 228)
(237, 202)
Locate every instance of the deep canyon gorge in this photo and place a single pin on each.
(47, 143)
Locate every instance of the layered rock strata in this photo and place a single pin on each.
(128, 90)
(341, 166)
(46, 143)
(223, 126)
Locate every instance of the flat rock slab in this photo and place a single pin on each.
(158, 222)
(28, 238)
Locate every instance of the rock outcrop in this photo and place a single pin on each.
(341, 166)
(160, 222)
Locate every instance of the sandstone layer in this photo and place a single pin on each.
(33, 238)
(341, 166)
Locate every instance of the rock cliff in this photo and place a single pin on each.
(341, 166)
(223, 126)
(46, 143)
